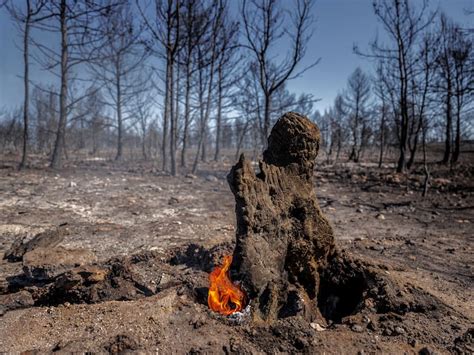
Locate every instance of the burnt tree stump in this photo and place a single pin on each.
(283, 241)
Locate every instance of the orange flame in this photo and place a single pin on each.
(224, 296)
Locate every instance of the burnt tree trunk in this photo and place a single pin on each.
(283, 240)
(26, 83)
(57, 157)
(449, 119)
(118, 89)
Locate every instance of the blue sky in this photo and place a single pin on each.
(339, 24)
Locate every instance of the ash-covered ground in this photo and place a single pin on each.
(159, 236)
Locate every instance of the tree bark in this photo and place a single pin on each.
(411, 160)
(457, 139)
(187, 110)
(401, 164)
(204, 143)
(26, 83)
(56, 161)
(172, 119)
(426, 181)
(119, 114)
(266, 117)
(201, 118)
(206, 110)
(449, 118)
(382, 136)
(145, 157)
(402, 68)
(219, 115)
(353, 155)
(164, 155)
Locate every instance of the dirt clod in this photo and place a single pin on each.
(11, 301)
(47, 263)
(47, 239)
(121, 344)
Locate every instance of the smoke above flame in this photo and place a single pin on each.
(224, 297)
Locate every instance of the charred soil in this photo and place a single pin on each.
(401, 280)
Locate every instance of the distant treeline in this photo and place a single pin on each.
(174, 78)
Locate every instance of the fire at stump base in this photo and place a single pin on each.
(283, 240)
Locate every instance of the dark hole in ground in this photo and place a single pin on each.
(340, 296)
(201, 294)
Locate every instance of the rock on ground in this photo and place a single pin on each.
(47, 239)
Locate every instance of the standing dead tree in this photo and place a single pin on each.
(95, 119)
(383, 109)
(172, 45)
(25, 18)
(404, 23)
(283, 101)
(143, 108)
(337, 129)
(356, 100)
(10, 129)
(45, 117)
(421, 91)
(454, 84)
(74, 22)
(263, 22)
(227, 73)
(120, 57)
(164, 30)
(207, 56)
(248, 105)
(461, 51)
(444, 83)
(194, 23)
